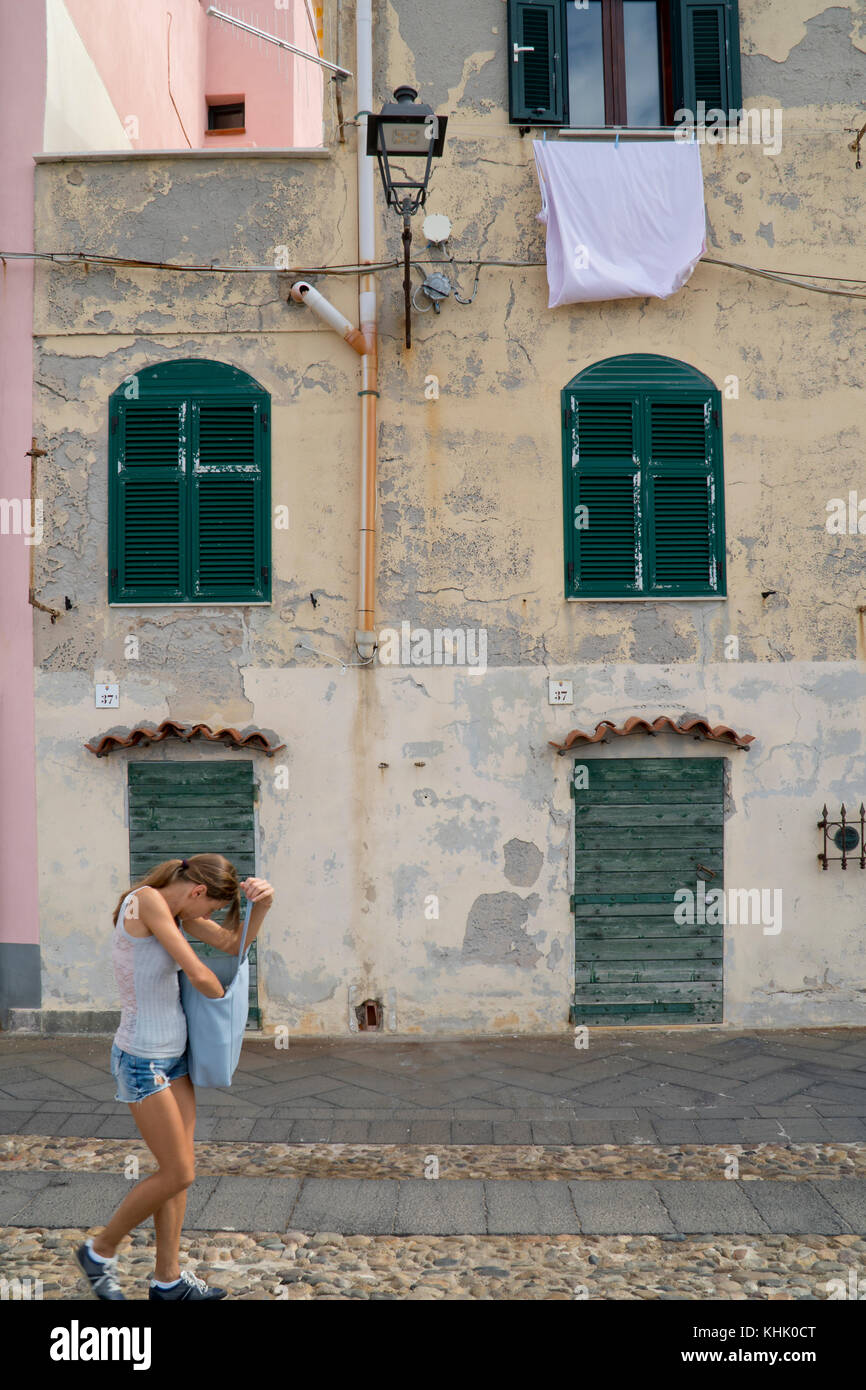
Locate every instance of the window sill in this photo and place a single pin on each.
(624, 133)
(228, 130)
(201, 603)
(653, 598)
(683, 133)
(260, 152)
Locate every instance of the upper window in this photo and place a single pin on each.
(621, 62)
(189, 486)
(643, 486)
(227, 117)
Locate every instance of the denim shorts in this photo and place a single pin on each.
(140, 1077)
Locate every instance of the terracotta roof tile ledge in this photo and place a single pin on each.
(684, 724)
(258, 740)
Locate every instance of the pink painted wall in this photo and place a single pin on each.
(22, 106)
(310, 85)
(135, 44)
(283, 93)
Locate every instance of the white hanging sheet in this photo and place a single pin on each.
(623, 219)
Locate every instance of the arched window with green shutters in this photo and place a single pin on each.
(189, 486)
(643, 483)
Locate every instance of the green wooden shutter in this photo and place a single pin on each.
(179, 808)
(189, 487)
(229, 516)
(606, 482)
(680, 520)
(536, 81)
(684, 540)
(646, 828)
(148, 443)
(708, 46)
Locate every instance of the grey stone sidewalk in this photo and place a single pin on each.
(457, 1206)
(629, 1086)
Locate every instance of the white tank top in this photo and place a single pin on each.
(152, 1020)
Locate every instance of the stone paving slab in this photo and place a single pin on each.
(432, 1208)
(363, 1206)
(717, 1084)
(262, 1204)
(797, 1209)
(530, 1208)
(715, 1131)
(848, 1200)
(86, 1199)
(17, 1190)
(476, 1126)
(407, 1206)
(713, 1208)
(617, 1207)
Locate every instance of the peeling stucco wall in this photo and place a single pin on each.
(469, 535)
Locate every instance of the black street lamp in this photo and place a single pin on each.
(405, 129)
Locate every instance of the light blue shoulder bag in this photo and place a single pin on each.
(215, 1027)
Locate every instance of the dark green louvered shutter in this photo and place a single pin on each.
(643, 487)
(605, 511)
(189, 487)
(537, 65)
(707, 38)
(177, 809)
(227, 520)
(149, 444)
(682, 539)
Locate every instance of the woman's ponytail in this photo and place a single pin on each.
(216, 873)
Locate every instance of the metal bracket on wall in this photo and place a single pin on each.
(34, 453)
(855, 143)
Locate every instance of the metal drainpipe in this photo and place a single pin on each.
(302, 292)
(365, 341)
(365, 636)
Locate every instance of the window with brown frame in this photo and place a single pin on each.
(596, 63)
(619, 63)
(226, 117)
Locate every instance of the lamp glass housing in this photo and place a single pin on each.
(405, 129)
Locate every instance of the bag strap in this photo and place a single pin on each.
(244, 936)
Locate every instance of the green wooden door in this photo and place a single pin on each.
(646, 828)
(180, 809)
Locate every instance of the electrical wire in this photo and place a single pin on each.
(417, 307)
(797, 281)
(173, 102)
(458, 287)
(133, 263)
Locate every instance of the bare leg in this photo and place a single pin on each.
(161, 1124)
(168, 1220)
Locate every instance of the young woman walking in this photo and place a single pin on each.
(148, 1056)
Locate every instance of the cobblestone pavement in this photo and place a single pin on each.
(698, 1164)
(295, 1265)
(25, 1153)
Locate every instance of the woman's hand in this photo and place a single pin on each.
(258, 891)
